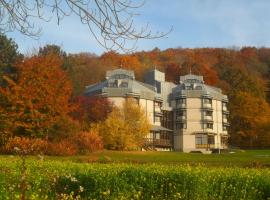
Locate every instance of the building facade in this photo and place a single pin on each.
(189, 116)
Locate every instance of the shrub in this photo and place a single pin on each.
(88, 142)
(66, 147)
(25, 145)
(64, 128)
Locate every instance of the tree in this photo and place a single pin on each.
(109, 21)
(250, 119)
(9, 55)
(125, 127)
(38, 99)
(92, 109)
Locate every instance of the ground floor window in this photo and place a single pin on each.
(204, 141)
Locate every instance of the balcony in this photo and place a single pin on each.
(207, 105)
(180, 118)
(158, 142)
(181, 105)
(208, 118)
(205, 146)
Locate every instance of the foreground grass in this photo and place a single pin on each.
(58, 179)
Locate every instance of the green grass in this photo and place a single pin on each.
(254, 158)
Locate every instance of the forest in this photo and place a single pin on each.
(42, 102)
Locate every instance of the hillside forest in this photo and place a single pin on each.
(42, 102)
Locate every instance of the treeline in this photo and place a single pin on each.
(41, 95)
(243, 74)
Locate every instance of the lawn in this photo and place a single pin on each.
(250, 158)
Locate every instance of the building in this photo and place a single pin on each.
(189, 116)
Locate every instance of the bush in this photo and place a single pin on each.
(65, 147)
(64, 128)
(25, 145)
(88, 142)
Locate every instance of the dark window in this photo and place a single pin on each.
(209, 125)
(124, 84)
(208, 113)
(207, 101)
(181, 101)
(157, 119)
(181, 125)
(180, 113)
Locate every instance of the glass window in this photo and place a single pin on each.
(208, 113)
(209, 125)
(181, 125)
(180, 101)
(207, 101)
(157, 119)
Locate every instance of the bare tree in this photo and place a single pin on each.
(111, 22)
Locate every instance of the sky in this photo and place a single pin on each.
(195, 23)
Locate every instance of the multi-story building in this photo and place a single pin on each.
(189, 116)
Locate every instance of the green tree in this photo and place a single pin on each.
(9, 55)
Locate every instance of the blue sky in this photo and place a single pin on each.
(196, 23)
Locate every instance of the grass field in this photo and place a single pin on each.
(254, 158)
(138, 175)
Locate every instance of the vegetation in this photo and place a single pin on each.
(125, 127)
(54, 178)
(41, 95)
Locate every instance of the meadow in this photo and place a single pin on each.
(138, 175)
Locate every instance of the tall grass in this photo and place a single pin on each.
(66, 180)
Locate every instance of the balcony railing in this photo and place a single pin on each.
(207, 105)
(180, 118)
(208, 118)
(158, 142)
(181, 105)
(157, 109)
(205, 146)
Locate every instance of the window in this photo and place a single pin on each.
(207, 101)
(224, 105)
(200, 139)
(198, 88)
(157, 136)
(225, 128)
(181, 125)
(225, 116)
(180, 113)
(208, 113)
(124, 84)
(209, 125)
(157, 119)
(157, 104)
(180, 101)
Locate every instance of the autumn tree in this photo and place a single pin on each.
(92, 109)
(38, 99)
(250, 116)
(125, 127)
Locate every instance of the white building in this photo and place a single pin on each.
(190, 116)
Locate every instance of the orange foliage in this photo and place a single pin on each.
(88, 142)
(65, 147)
(40, 97)
(24, 145)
